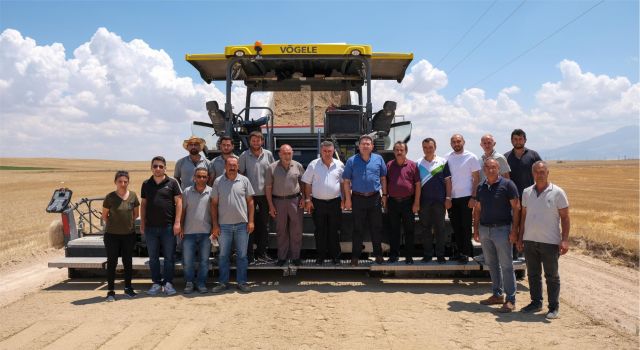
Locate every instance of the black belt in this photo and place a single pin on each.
(364, 194)
(325, 200)
(494, 225)
(286, 197)
(401, 199)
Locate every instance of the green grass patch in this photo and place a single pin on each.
(9, 167)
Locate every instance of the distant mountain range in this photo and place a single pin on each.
(620, 144)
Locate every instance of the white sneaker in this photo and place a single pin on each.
(552, 314)
(155, 289)
(168, 289)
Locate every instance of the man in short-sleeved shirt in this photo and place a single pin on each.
(496, 228)
(283, 185)
(186, 166)
(364, 177)
(544, 235)
(160, 213)
(403, 184)
(488, 144)
(464, 167)
(232, 221)
(216, 166)
(323, 179)
(253, 163)
(520, 160)
(434, 171)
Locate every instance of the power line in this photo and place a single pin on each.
(466, 33)
(487, 37)
(538, 43)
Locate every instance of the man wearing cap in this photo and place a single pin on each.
(282, 188)
(216, 166)
(496, 228)
(186, 166)
(324, 200)
(253, 163)
(364, 177)
(544, 236)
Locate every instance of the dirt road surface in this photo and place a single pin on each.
(345, 310)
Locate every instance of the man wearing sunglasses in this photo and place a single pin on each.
(160, 212)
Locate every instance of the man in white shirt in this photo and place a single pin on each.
(461, 195)
(324, 200)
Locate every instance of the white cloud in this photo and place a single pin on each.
(123, 100)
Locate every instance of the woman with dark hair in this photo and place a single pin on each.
(119, 212)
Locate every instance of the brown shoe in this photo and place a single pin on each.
(507, 307)
(354, 261)
(493, 300)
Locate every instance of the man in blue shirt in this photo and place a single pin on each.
(364, 176)
(497, 229)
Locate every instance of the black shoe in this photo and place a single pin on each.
(336, 262)
(463, 259)
(379, 260)
(427, 259)
(532, 307)
(409, 261)
(319, 262)
(392, 260)
(130, 292)
(265, 258)
(251, 260)
(441, 260)
(281, 262)
(297, 262)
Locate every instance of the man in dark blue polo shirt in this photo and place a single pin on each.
(521, 160)
(160, 212)
(364, 176)
(497, 231)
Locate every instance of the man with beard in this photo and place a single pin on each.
(253, 163)
(216, 166)
(461, 195)
(521, 160)
(186, 166)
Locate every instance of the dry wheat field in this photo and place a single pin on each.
(603, 196)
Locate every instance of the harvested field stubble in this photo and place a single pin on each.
(603, 200)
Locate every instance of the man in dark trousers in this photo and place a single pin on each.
(364, 177)
(404, 201)
(324, 200)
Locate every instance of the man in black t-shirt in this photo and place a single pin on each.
(161, 209)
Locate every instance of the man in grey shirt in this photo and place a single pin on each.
(196, 228)
(216, 166)
(544, 236)
(253, 163)
(186, 166)
(232, 216)
(488, 144)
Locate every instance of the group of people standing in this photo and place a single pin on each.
(506, 199)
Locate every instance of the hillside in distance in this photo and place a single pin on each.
(619, 144)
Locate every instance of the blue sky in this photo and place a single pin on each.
(603, 42)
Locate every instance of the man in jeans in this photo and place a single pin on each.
(404, 201)
(497, 231)
(232, 216)
(196, 228)
(544, 235)
(160, 213)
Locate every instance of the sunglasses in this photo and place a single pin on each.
(201, 176)
(158, 166)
